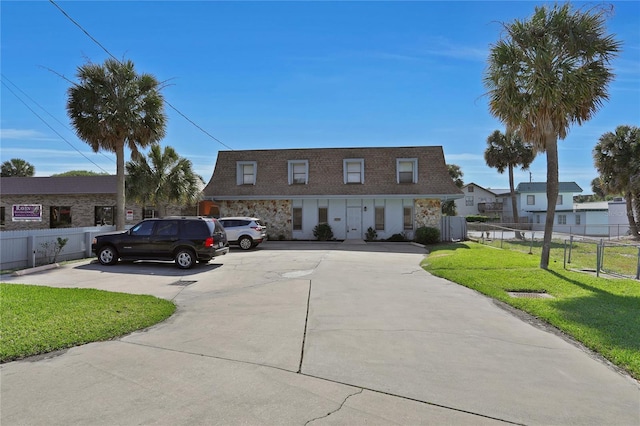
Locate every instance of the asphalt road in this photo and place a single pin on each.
(297, 333)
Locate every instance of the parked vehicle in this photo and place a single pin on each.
(183, 239)
(247, 232)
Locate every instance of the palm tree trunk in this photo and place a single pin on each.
(120, 200)
(633, 226)
(552, 197)
(514, 203)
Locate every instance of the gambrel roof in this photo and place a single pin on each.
(326, 174)
(102, 184)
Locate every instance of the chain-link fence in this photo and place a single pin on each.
(619, 257)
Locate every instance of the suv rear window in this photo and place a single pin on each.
(195, 229)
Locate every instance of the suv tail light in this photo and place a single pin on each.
(257, 228)
(209, 242)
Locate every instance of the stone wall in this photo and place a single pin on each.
(276, 214)
(427, 212)
(82, 209)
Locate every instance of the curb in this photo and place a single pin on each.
(35, 270)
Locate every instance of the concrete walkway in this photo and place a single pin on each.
(313, 333)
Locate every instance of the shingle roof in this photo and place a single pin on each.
(326, 173)
(104, 184)
(525, 187)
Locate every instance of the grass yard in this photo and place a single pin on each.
(36, 320)
(602, 313)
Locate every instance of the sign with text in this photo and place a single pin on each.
(26, 212)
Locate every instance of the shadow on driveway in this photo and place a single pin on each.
(148, 267)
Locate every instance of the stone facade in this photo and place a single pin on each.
(82, 209)
(427, 212)
(276, 214)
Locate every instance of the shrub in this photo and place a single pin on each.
(397, 238)
(323, 232)
(371, 234)
(427, 235)
(480, 218)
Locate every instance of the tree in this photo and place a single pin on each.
(544, 75)
(504, 152)
(79, 173)
(449, 207)
(617, 159)
(17, 167)
(162, 179)
(113, 107)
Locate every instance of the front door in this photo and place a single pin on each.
(354, 223)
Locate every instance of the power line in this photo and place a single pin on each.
(4, 77)
(111, 55)
(49, 126)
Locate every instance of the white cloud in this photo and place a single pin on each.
(21, 134)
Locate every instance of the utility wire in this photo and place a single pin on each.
(111, 55)
(4, 77)
(49, 126)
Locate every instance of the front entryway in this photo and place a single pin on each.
(354, 223)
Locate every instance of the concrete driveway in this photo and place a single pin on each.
(297, 333)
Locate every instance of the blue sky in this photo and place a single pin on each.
(264, 75)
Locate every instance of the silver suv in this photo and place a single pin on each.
(247, 232)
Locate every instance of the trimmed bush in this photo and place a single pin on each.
(480, 218)
(427, 235)
(323, 232)
(397, 238)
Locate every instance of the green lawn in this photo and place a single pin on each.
(602, 313)
(36, 320)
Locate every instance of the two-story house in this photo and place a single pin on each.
(478, 200)
(391, 190)
(532, 203)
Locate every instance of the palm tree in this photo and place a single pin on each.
(449, 207)
(548, 73)
(17, 167)
(617, 159)
(113, 107)
(504, 152)
(162, 179)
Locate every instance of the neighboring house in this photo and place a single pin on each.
(532, 203)
(66, 201)
(390, 190)
(479, 201)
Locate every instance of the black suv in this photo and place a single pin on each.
(183, 239)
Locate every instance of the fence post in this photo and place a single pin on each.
(638, 268)
(598, 260)
(501, 239)
(601, 264)
(570, 246)
(531, 245)
(564, 256)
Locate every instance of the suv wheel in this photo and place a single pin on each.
(185, 258)
(107, 255)
(245, 243)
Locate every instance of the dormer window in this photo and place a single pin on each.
(353, 170)
(298, 172)
(407, 170)
(246, 172)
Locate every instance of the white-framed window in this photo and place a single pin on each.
(407, 218)
(531, 200)
(559, 200)
(577, 219)
(298, 172)
(379, 213)
(468, 200)
(562, 219)
(323, 215)
(353, 170)
(297, 219)
(407, 170)
(246, 172)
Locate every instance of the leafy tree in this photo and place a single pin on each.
(504, 152)
(113, 107)
(545, 74)
(449, 207)
(17, 167)
(617, 159)
(162, 179)
(79, 173)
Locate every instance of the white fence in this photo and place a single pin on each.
(23, 249)
(453, 228)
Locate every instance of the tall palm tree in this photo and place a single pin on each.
(548, 73)
(617, 159)
(113, 107)
(163, 179)
(504, 152)
(17, 167)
